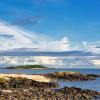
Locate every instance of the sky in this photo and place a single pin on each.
(52, 25)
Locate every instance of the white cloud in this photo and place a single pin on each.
(12, 37)
(20, 38)
(56, 45)
(89, 46)
(93, 47)
(84, 43)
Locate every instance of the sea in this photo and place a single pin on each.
(91, 84)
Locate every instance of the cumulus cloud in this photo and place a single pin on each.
(56, 45)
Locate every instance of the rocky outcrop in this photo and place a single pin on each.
(71, 76)
(74, 93)
(19, 82)
(19, 88)
(66, 93)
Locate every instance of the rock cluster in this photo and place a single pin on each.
(66, 93)
(73, 93)
(71, 76)
(19, 82)
(17, 88)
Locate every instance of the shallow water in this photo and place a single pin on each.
(93, 84)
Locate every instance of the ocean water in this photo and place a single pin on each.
(93, 84)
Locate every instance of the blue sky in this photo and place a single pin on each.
(78, 20)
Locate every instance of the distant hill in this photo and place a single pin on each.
(26, 67)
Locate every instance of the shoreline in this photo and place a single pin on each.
(42, 87)
(39, 78)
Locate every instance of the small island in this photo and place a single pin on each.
(27, 67)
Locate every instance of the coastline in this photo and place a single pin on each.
(39, 78)
(42, 87)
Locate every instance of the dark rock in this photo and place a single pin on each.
(66, 93)
(25, 83)
(27, 89)
(71, 76)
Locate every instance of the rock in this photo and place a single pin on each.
(66, 93)
(18, 88)
(74, 93)
(24, 82)
(71, 76)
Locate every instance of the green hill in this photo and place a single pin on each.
(27, 67)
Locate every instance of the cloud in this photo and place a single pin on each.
(25, 39)
(19, 37)
(13, 37)
(89, 46)
(94, 47)
(6, 36)
(84, 43)
(98, 47)
(56, 45)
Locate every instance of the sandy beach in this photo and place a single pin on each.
(39, 78)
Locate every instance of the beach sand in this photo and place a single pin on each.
(39, 78)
